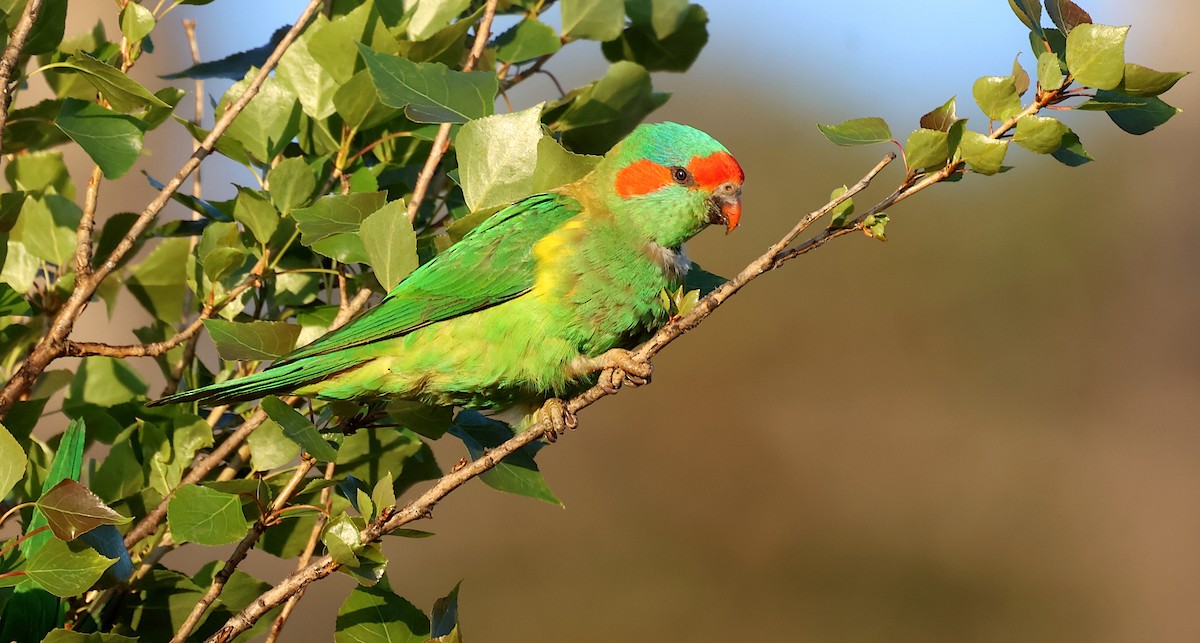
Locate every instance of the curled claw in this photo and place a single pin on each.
(622, 368)
(559, 417)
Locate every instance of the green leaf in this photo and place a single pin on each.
(1040, 134)
(122, 92)
(941, 118)
(341, 539)
(336, 214)
(71, 636)
(391, 245)
(158, 283)
(384, 493)
(269, 121)
(37, 171)
(1072, 153)
(985, 155)
(1066, 14)
(12, 462)
(1020, 76)
(300, 72)
(171, 447)
(47, 32)
(841, 213)
(497, 157)
(997, 96)
(67, 464)
(433, 15)
(72, 509)
(254, 211)
(46, 227)
(299, 430)
(1143, 81)
(221, 251)
(206, 516)
(252, 340)
(270, 448)
(927, 148)
(65, 570)
(235, 66)
(1030, 13)
(291, 184)
(592, 19)
(701, 280)
(358, 104)
(858, 131)
(1096, 55)
(332, 43)
(444, 620)
(517, 473)
(1143, 115)
(664, 16)
(114, 141)
(528, 39)
(32, 128)
(368, 454)
(430, 92)
(370, 566)
(377, 615)
(1050, 75)
(676, 52)
(428, 421)
(136, 22)
(106, 382)
(595, 117)
(446, 46)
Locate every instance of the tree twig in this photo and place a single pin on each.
(12, 55)
(441, 142)
(314, 537)
(51, 346)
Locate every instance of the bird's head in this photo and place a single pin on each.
(672, 181)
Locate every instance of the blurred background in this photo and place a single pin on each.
(983, 430)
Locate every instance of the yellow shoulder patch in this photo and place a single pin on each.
(550, 250)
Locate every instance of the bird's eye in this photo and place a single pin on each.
(680, 175)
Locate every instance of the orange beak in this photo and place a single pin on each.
(731, 211)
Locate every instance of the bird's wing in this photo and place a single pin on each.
(490, 265)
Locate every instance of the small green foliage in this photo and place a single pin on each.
(206, 516)
(526, 40)
(252, 340)
(874, 226)
(1040, 134)
(390, 243)
(842, 212)
(1049, 70)
(592, 19)
(377, 615)
(122, 93)
(1096, 55)
(1030, 13)
(517, 473)
(114, 141)
(1139, 115)
(299, 430)
(983, 154)
(341, 539)
(430, 92)
(858, 131)
(65, 569)
(12, 462)
(136, 22)
(1143, 81)
(927, 149)
(997, 96)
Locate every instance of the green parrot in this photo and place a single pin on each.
(537, 301)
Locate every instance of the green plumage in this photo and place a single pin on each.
(510, 314)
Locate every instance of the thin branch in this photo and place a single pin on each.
(87, 224)
(51, 346)
(441, 143)
(12, 54)
(314, 537)
(189, 30)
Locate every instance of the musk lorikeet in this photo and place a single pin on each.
(536, 301)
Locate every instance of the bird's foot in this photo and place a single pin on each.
(559, 418)
(619, 367)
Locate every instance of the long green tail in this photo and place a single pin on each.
(284, 378)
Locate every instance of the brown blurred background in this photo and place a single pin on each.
(983, 430)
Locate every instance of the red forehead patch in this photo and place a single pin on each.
(715, 169)
(646, 176)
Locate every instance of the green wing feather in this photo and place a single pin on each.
(492, 264)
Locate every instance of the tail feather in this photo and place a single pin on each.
(274, 380)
